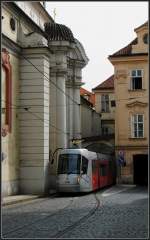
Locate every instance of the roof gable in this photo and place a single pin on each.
(107, 84)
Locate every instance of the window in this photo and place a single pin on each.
(136, 79)
(69, 164)
(137, 127)
(113, 103)
(145, 38)
(94, 166)
(103, 170)
(105, 103)
(84, 165)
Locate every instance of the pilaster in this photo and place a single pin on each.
(34, 120)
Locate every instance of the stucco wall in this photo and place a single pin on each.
(90, 122)
(126, 96)
(10, 165)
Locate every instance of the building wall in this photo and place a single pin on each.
(35, 12)
(123, 96)
(10, 164)
(98, 107)
(38, 68)
(90, 121)
(129, 102)
(107, 118)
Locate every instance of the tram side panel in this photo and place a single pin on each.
(86, 177)
(95, 175)
(103, 173)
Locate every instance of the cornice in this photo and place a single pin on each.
(130, 58)
(137, 103)
(10, 44)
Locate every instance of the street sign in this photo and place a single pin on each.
(121, 158)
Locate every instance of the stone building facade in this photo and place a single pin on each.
(131, 84)
(41, 77)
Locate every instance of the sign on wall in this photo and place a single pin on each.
(121, 158)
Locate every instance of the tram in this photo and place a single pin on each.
(80, 170)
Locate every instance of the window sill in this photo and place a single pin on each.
(136, 90)
(138, 138)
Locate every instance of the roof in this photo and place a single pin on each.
(107, 84)
(58, 32)
(143, 25)
(126, 51)
(88, 103)
(84, 92)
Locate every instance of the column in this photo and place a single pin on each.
(61, 111)
(34, 121)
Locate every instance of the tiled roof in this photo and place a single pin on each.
(126, 51)
(84, 92)
(107, 84)
(58, 32)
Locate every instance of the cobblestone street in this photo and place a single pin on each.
(118, 212)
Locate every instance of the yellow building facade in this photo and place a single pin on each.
(131, 84)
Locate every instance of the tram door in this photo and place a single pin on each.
(95, 173)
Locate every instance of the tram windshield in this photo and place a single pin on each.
(69, 164)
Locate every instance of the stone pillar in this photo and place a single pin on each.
(58, 75)
(73, 103)
(61, 111)
(34, 121)
(58, 134)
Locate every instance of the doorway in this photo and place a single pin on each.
(140, 166)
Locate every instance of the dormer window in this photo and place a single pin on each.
(136, 79)
(145, 38)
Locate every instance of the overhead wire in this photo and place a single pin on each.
(38, 117)
(50, 80)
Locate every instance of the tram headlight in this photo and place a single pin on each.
(78, 179)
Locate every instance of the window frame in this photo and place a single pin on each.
(136, 76)
(137, 122)
(105, 103)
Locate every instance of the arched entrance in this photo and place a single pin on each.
(140, 166)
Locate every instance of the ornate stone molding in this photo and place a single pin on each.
(121, 74)
(8, 71)
(137, 103)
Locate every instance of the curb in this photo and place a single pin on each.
(11, 202)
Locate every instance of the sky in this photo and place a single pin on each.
(103, 28)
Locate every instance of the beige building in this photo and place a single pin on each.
(105, 105)
(131, 83)
(41, 77)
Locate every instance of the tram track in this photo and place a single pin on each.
(59, 233)
(80, 221)
(42, 218)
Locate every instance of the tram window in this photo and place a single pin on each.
(103, 170)
(84, 165)
(94, 166)
(69, 164)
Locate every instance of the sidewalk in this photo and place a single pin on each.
(22, 198)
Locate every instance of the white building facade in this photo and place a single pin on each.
(41, 77)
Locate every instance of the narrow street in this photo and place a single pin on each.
(118, 212)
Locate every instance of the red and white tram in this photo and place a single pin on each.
(80, 170)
